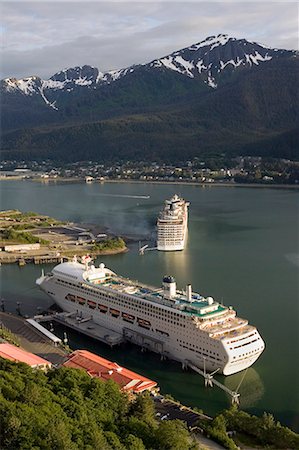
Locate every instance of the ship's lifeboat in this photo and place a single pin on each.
(103, 308)
(91, 304)
(114, 312)
(128, 317)
(81, 300)
(70, 297)
(144, 323)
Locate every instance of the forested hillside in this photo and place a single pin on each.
(66, 409)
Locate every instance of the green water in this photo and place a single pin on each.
(243, 248)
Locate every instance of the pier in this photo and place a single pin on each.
(146, 248)
(22, 260)
(84, 325)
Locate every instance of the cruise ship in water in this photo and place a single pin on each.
(180, 325)
(172, 225)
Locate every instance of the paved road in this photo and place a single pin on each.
(31, 339)
(167, 410)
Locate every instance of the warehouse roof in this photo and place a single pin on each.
(13, 353)
(96, 366)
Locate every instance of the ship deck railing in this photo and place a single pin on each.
(231, 333)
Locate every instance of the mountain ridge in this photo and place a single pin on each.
(221, 85)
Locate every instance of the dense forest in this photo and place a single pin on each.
(66, 409)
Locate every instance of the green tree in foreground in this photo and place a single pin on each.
(66, 409)
(262, 431)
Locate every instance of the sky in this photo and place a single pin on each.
(41, 37)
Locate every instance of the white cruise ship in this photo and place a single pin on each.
(172, 225)
(180, 325)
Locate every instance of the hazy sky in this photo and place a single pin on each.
(42, 37)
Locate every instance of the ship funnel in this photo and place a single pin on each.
(189, 292)
(169, 287)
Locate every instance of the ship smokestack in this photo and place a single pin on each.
(169, 287)
(189, 292)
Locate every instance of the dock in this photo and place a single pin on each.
(85, 325)
(47, 259)
(22, 260)
(146, 248)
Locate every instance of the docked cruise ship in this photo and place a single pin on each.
(172, 225)
(178, 324)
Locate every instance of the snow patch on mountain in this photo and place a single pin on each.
(211, 81)
(82, 82)
(169, 64)
(53, 84)
(51, 104)
(212, 41)
(25, 85)
(205, 61)
(233, 62)
(114, 75)
(187, 65)
(200, 66)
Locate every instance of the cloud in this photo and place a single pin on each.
(43, 37)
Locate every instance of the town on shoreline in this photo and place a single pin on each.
(244, 171)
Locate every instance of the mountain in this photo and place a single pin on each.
(219, 95)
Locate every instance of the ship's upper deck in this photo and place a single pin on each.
(218, 320)
(197, 305)
(174, 210)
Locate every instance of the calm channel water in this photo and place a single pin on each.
(243, 248)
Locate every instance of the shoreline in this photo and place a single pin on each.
(204, 185)
(46, 258)
(183, 183)
(53, 251)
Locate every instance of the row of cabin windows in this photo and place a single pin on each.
(155, 310)
(245, 355)
(243, 345)
(198, 347)
(242, 338)
(127, 317)
(200, 353)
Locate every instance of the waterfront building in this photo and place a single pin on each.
(16, 354)
(98, 367)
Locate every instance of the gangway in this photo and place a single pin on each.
(86, 319)
(47, 318)
(142, 249)
(146, 248)
(56, 340)
(210, 381)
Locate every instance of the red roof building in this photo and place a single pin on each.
(16, 354)
(96, 366)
